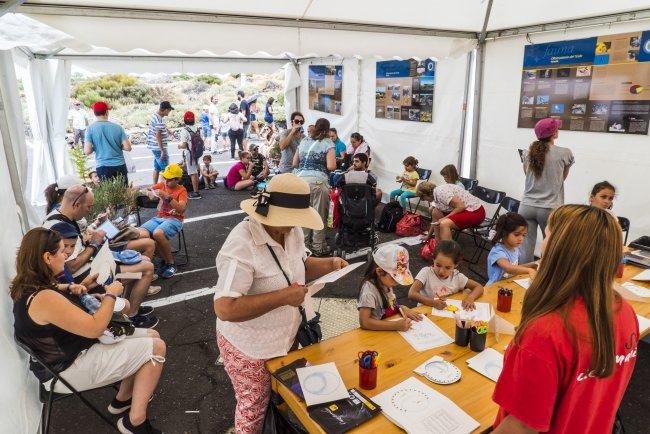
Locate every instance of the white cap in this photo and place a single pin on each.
(67, 181)
(394, 260)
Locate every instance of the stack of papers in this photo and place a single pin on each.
(644, 323)
(425, 335)
(417, 408)
(523, 282)
(488, 362)
(643, 276)
(483, 311)
(637, 290)
(321, 383)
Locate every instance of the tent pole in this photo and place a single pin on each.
(478, 90)
(463, 119)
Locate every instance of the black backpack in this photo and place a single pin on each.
(390, 215)
(197, 146)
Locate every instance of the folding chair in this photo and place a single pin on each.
(49, 397)
(145, 202)
(491, 197)
(425, 175)
(625, 226)
(468, 183)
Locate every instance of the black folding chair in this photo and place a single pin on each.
(468, 183)
(49, 397)
(625, 226)
(491, 197)
(425, 175)
(145, 202)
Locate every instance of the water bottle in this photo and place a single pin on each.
(90, 303)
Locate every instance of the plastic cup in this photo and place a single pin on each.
(367, 378)
(504, 302)
(477, 341)
(462, 336)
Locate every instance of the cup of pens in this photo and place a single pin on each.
(478, 336)
(462, 331)
(368, 369)
(504, 300)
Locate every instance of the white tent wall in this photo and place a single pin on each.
(621, 159)
(291, 89)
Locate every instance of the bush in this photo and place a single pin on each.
(116, 89)
(112, 194)
(209, 79)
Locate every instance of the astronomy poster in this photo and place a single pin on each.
(325, 85)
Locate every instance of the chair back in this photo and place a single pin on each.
(510, 204)
(625, 226)
(425, 174)
(468, 183)
(488, 195)
(144, 202)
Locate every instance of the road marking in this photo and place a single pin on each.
(149, 157)
(213, 216)
(180, 297)
(194, 271)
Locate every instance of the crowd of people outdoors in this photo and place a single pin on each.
(266, 260)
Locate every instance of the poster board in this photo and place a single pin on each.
(405, 90)
(325, 88)
(598, 84)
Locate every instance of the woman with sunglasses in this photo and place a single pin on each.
(290, 140)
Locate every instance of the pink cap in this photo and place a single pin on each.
(547, 127)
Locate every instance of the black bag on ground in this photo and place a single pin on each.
(276, 423)
(390, 215)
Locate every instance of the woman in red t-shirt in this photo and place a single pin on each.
(574, 352)
(239, 176)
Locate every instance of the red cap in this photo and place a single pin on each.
(100, 107)
(188, 117)
(547, 128)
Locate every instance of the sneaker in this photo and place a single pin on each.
(168, 271)
(154, 289)
(125, 427)
(194, 195)
(119, 407)
(145, 310)
(144, 322)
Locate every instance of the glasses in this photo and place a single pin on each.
(298, 122)
(86, 190)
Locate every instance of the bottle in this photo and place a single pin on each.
(90, 303)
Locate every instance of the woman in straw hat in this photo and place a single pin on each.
(263, 266)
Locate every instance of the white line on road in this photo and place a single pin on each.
(212, 216)
(194, 271)
(180, 297)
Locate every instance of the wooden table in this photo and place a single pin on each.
(473, 393)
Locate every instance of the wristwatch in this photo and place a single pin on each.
(94, 245)
(109, 295)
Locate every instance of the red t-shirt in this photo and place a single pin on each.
(178, 193)
(545, 381)
(234, 176)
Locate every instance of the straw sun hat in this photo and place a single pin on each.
(284, 202)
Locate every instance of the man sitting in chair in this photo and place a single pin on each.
(169, 219)
(359, 174)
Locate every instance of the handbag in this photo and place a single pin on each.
(309, 331)
(427, 250)
(409, 226)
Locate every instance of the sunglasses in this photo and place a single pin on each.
(298, 122)
(86, 190)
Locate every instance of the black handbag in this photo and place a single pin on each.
(309, 331)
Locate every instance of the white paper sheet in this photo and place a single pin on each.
(417, 408)
(483, 311)
(644, 323)
(523, 282)
(637, 290)
(424, 335)
(319, 283)
(321, 383)
(103, 264)
(488, 362)
(643, 276)
(109, 228)
(412, 241)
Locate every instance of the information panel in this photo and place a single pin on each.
(325, 86)
(405, 90)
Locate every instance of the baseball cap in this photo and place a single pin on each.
(188, 117)
(172, 171)
(100, 107)
(394, 260)
(67, 181)
(547, 127)
(65, 229)
(165, 105)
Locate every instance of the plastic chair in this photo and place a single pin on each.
(425, 175)
(489, 196)
(468, 183)
(49, 397)
(625, 226)
(145, 202)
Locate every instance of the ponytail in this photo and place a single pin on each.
(53, 196)
(537, 155)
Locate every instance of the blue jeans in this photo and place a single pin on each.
(401, 195)
(169, 226)
(158, 163)
(109, 172)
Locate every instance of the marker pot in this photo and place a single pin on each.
(477, 341)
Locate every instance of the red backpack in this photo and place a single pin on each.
(409, 226)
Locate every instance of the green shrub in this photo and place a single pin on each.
(116, 89)
(111, 194)
(182, 77)
(80, 161)
(209, 79)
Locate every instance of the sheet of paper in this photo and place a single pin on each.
(321, 383)
(336, 275)
(488, 362)
(637, 290)
(418, 408)
(644, 323)
(523, 282)
(424, 335)
(498, 325)
(627, 294)
(483, 311)
(103, 264)
(643, 276)
(412, 241)
(109, 228)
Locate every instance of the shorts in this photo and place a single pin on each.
(245, 128)
(191, 166)
(170, 226)
(109, 172)
(207, 130)
(101, 365)
(468, 219)
(158, 163)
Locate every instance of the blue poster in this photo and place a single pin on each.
(644, 49)
(405, 90)
(406, 68)
(325, 88)
(577, 51)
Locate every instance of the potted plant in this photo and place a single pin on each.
(113, 197)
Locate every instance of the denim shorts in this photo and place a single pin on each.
(158, 163)
(206, 131)
(170, 226)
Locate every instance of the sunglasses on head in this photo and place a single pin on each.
(298, 121)
(86, 190)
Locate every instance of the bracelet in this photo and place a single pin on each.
(109, 295)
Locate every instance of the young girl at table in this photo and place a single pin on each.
(388, 268)
(577, 339)
(433, 284)
(511, 229)
(602, 196)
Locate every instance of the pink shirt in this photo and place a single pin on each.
(234, 176)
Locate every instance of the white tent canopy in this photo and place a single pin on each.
(475, 106)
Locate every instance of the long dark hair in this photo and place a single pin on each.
(603, 185)
(53, 196)
(356, 136)
(321, 129)
(370, 275)
(506, 224)
(32, 271)
(537, 155)
(450, 172)
(568, 273)
(450, 249)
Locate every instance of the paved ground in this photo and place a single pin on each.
(195, 395)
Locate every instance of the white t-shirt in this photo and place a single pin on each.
(437, 287)
(79, 118)
(213, 111)
(443, 194)
(363, 148)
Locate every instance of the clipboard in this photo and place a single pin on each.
(103, 264)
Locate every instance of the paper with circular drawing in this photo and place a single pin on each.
(424, 335)
(321, 383)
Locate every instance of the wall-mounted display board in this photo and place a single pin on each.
(325, 85)
(405, 90)
(599, 84)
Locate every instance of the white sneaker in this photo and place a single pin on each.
(154, 289)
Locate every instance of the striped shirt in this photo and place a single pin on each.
(156, 124)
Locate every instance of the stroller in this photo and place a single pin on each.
(357, 224)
